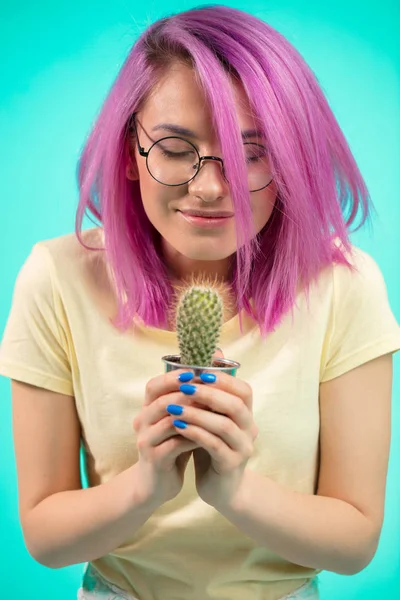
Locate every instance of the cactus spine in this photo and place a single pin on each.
(199, 314)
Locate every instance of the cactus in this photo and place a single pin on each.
(199, 312)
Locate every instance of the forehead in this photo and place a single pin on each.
(179, 98)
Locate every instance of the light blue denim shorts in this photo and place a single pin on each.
(95, 587)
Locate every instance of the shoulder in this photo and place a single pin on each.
(67, 257)
(54, 262)
(67, 248)
(362, 274)
(353, 275)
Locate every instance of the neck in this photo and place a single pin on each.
(180, 268)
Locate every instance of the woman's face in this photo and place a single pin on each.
(187, 248)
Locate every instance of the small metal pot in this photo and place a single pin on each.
(223, 365)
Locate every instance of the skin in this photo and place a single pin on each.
(178, 99)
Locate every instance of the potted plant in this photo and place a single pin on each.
(198, 312)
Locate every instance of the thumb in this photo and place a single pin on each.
(218, 353)
(183, 459)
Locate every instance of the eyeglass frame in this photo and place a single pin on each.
(144, 154)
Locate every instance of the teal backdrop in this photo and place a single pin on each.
(58, 61)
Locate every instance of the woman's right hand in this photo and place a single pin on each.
(163, 453)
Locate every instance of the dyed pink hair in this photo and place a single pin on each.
(320, 188)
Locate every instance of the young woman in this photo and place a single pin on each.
(266, 478)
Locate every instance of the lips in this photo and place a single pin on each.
(205, 222)
(207, 215)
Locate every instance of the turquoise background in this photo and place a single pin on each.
(57, 64)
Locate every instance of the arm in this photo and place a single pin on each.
(338, 529)
(62, 523)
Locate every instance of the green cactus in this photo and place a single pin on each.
(199, 315)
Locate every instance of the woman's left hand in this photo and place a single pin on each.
(221, 422)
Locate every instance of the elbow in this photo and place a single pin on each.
(358, 564)
(50, 560)
(41, 552)
(361, 557)
(353, 566)
(45, 559)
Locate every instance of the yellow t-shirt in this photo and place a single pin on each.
(59, 337)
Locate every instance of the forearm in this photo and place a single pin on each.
(311, 531)
(81, 525)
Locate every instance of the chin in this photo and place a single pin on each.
(207, 255)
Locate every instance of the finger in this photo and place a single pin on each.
(167, 453)
(158, 409)
(222, 456)
(156, 434)
(232, 385)
(218, 425)
(162, 439)
(163, 384)
(219, 401)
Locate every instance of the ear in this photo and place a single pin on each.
(132, 171)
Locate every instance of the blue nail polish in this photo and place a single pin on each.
(187, 388)
(208, 377)
(180, 424)
(183, 377)
(175, 409)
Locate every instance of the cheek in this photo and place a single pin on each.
(263, 207)
(156, 198)
(148, 185)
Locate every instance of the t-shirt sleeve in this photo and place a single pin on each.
(34, 348)
(363, 326)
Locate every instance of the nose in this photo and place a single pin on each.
(209, 183)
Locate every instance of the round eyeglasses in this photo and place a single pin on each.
(174, 161)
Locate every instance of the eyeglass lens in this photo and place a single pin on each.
(174, 161)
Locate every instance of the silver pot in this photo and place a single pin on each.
(222, 365)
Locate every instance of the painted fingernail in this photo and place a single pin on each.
(185, 376)
(208, 377)
(186, 388)
(174, 409)
(180, 424)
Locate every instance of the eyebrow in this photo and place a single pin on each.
(179, 130)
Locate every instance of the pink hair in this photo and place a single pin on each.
(320, 188)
